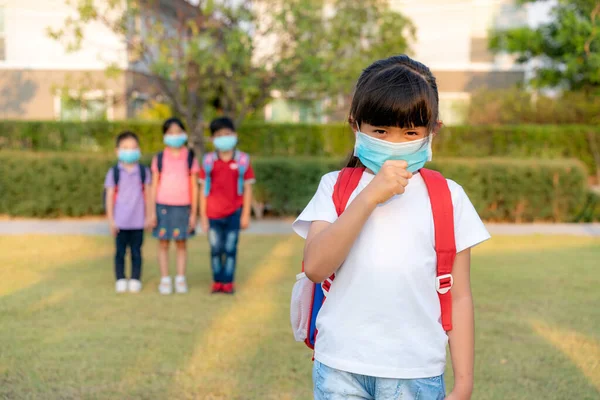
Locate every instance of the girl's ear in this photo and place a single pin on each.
(437, 127)
(353, 124)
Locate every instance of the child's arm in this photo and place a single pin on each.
(194, 204)
(203, 214)
(149, 205)
(110, 210)
(327, 245)
(247, 207)
(152, 200)
(461, 337)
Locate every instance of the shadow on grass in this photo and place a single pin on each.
(515, 358)
(70, 336)
(245, 353)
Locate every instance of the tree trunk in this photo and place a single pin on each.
(195, 124)
(198, 139)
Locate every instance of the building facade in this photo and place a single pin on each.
(37, 72)
(452, 39)
(40, 79)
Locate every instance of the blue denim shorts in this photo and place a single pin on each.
(333, 384)
(172, 223)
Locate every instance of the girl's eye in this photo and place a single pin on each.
(411, 133)
(380, 131)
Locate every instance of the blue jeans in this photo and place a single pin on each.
(223, 237)
(333, 384)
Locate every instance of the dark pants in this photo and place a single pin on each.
(133, 239)
(223, 237)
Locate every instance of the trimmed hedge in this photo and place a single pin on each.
(51, 185)
(262, 139)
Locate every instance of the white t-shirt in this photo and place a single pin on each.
(382, 313)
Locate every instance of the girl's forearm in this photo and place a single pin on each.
(153, 193)
(327, 249)
(202, 202)
(462, 345)
(149, 201)
(110, 197)
(194, 188)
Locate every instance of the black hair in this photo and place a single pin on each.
(397, 91)
(221, 123)
(126, 135)
(173, 120)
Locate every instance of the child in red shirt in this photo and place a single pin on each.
(226, 179)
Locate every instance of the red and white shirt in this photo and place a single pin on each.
(223, 199)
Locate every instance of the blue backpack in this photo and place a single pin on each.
(208, 162)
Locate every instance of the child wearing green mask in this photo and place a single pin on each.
(383, 329)
(127, 202)
(225, 201)
(175, 194)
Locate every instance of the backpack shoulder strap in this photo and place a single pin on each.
(243, 162)
(142, 174)
(445, 243)
(159, 161)
(347, 181)
(208, 162)
(242, 159)
(190, 158)
(116, 173)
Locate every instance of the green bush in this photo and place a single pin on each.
(66, 184)
(520, 190)
(518, 106)
(590, 212)
(261, 139)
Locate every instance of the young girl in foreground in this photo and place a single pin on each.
(379, 332)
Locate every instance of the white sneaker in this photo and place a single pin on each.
(166, 285)
(135, 286)
(121, 286)
(180, 284)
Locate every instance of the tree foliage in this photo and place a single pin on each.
(227, 56)
(568, 46)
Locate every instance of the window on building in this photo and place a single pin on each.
(81, 109)
(2, 34)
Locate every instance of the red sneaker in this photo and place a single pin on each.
(228, 288)
(217, 287)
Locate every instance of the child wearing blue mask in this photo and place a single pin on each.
(381, 333)
(127, 202)
(175, 194)
(225, 201)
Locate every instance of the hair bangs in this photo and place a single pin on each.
(395, 97)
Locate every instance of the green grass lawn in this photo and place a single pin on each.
(64, 334)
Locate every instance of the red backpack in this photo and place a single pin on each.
(308, 297)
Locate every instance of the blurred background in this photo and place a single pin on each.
(519, 85)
